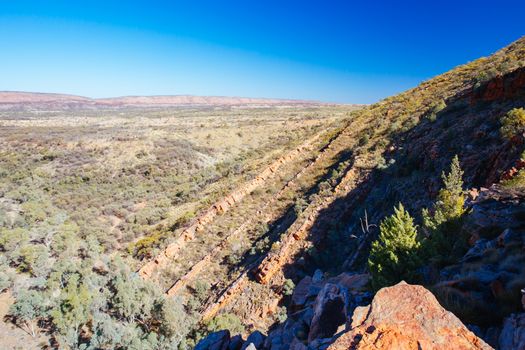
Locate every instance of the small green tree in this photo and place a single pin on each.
(132, 299)
(12, 240)
(34, 259)
(27, 309)
(107, 332)
(513, 122)
(443, 224)
(72, 310)
(174, 323)
(450, 200)
(394, 255)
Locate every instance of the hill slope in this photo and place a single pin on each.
(395, 151)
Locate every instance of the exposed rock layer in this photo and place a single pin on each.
(221, 206)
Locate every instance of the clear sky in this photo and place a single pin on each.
(338, 51)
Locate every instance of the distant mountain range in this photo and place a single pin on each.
(32, 100)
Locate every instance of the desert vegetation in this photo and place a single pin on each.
(130, 228)
(89, 196)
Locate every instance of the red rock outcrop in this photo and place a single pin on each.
(406, 317)
(500, 87)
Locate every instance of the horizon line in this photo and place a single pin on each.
(182, 95)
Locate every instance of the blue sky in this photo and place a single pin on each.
(338, 51)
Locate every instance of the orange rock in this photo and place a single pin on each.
(406, 317)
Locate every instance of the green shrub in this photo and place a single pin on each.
(200, 289)
(12, 240)
(260, 246)
(363, 140)
(288, 287)
(381, 163)
(34, 258)
(435, 109)
(5, 279)
(439, 106)
(300, 205)
(144, 247)
(431, 117)
(443, 224)
(513, 122)
(282, 314)
(225, 321)
(394, 255)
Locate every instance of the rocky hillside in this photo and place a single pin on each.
(469, 266)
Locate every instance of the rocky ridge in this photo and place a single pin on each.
(221, 206)
(480, 293)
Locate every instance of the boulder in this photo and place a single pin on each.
(215, 341)
(297, 345)
(329, 311)
(512, 336)
(274, 339)
(406, 317)
(508, 237)
(255, 339)
(235, 343)
(351, 281)
(492, 336)
(318, 276)
(479, 249)
(320, 344)
(300, 293)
